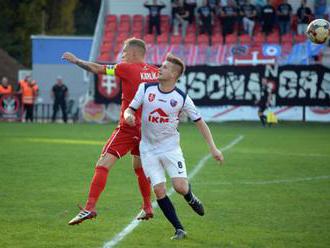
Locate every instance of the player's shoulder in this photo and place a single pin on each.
(150, 85)
(181, 93)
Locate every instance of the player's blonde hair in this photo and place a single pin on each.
(177, 61)
(135, 42)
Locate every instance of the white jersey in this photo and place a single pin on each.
(160, 117)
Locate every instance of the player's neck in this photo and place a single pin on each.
(166, 86)
(136, 61)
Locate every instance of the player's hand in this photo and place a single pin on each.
(130, 119)
(70, 57)
(217, 155)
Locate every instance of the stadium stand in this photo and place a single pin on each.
(119, 27)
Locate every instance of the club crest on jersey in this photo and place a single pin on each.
(173, 103)
(158, 116)
(151, 97)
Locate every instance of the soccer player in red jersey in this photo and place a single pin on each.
(132, 71)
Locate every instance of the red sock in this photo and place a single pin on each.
(97, 186)
(144, 186)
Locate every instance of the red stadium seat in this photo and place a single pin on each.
(259, 38)
(110, 24)
(286, 47)
(287, 38)
(109, 36)
(190, 38)
(273, 38)
(138, 18)
(257, 28)
(111, 18)
(176, 39)
(122, 37)
(117, 48)
(124, 27)
(106, 48)
(149, 38)
(217, 39)
(191, 29)
(300, 38)
(104, 57)
(231, 39)
(124, 18)
(108, 41)
(162, 39)
(110, 27)
(245, 39)
(137, 35)
(164, 19)
(202, 39)
(165, 28)
(137, 27)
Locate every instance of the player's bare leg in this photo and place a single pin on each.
(145, 189)
(182, 186)
(103, 166)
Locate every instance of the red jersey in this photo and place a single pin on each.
(131, 75)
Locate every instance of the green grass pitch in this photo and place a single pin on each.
(273, 191)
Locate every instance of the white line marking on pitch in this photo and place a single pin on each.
(281, 153)
(134, 223)
(278, 181)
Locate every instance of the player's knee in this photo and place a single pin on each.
(181, 186)
(160, 191)
(106, 160)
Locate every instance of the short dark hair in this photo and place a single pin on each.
(177, 61)
(137, 43)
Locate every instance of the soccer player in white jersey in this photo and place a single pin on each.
(160, 148)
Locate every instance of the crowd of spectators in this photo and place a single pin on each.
(235, 16)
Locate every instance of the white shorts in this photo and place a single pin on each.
(154, 166)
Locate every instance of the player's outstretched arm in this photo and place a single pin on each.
(129, 116)
(86, 65)
(206, 133)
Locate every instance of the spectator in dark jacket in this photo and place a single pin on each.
(59, 94)
(267, 18)
(205, 16)
(249, 13)
(284, 11)
(304, 15)
(154, 14)
(228, 16)
(190, 6)
(181, 18)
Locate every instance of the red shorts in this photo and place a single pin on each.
(122, 141)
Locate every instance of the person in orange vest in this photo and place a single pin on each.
(5, 88)
(29, 90)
